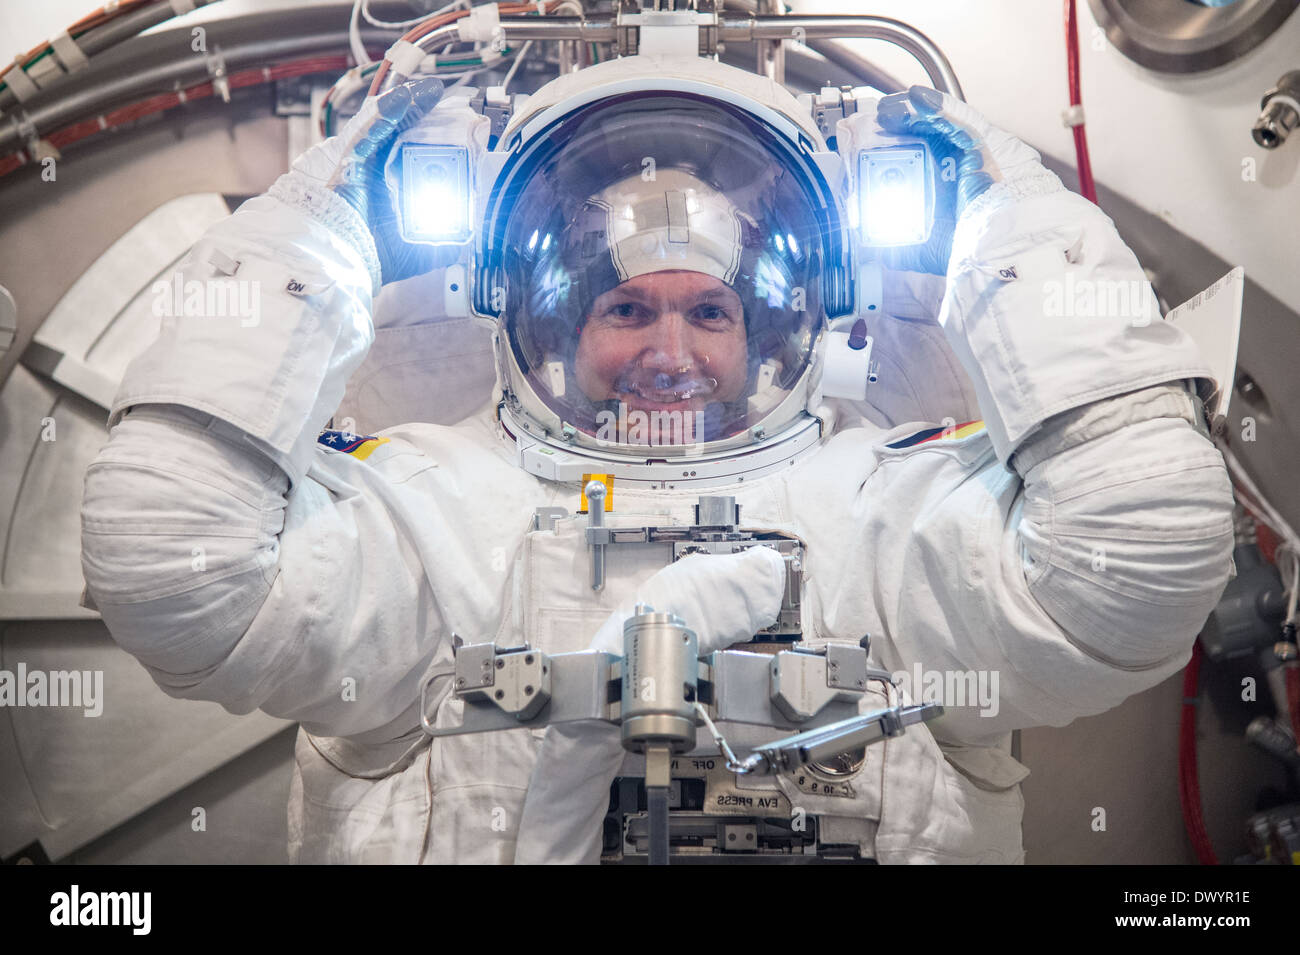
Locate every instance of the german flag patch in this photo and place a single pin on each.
(360, 446)
(937, 434)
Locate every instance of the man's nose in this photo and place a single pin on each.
(672, 348)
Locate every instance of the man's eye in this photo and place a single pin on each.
(713, 314)
(624, 310)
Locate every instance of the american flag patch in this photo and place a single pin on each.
(939, 433)
(358, 445)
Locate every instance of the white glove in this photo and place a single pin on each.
(724, 599)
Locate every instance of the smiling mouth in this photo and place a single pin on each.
(664, 391)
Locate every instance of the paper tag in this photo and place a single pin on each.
(1213, 319)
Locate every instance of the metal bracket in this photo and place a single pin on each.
(625, 36)
(659, 26)
(504, 687)
(498, 106)
(516, 680)
(846, 667)
(805, 681)
(829, 105)
(544, 518)
(216, 65)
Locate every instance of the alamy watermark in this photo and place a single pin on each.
(208, 298)
(1099, 298)
(84, 688)
(638, 427)
(951, 688)
(75, 907)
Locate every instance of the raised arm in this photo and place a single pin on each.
(219, 545)
(1076, 547)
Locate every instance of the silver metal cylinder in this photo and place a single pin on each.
(1273, 738)
(1275, 125)
(595, 491)
(771, 53)
(589, 30)
(1281, 112)
(660, 672)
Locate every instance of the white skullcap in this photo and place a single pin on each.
(673, 221)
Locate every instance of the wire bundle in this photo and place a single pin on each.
(116, 23)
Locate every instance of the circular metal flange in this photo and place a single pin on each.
(1188, 36)
(841, 766)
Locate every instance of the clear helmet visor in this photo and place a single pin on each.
(662, 273)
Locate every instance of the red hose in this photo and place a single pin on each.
(1189, 786)
(1086, 185)
(1292, 675)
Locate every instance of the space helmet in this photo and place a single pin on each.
(664, 273)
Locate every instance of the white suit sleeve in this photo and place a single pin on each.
(214, 557)
(301, 266)
(227, 586)
(1077, 561)
(1047, 309)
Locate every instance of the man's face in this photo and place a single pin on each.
(666, 341)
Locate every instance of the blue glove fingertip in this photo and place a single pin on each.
(426, 93)
(393, 105)
(928, 102)
(895, 113)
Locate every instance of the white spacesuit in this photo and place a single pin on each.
(1071, 542)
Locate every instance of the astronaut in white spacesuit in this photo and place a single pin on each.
(1072, 540)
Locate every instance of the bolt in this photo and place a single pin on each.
(501, 664)
(460, 681)
(758, 431)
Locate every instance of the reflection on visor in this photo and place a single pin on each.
(677, 300)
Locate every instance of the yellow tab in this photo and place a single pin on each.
(605, 479)
(366, 448)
